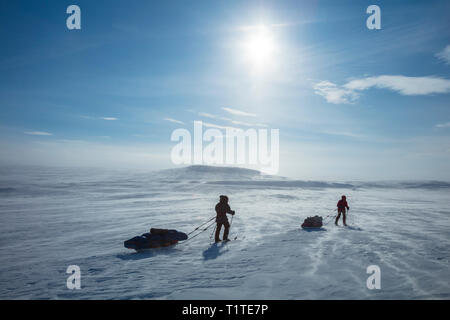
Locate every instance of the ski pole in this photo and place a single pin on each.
(231, 224)
(214, 230)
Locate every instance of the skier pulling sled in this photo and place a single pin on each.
(155, 239)
(312, 223)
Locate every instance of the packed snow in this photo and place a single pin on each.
(51, 218)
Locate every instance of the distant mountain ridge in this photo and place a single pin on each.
(221, 175)
(213, 173)
(218, 169)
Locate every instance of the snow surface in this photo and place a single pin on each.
(51, 218)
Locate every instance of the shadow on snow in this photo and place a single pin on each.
(313, 229)
(213, 251)
(147, 253)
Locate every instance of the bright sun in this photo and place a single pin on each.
(259, 47)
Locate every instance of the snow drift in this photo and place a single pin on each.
(51, 218)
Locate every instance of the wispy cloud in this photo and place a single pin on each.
(173, 120)
(248, 124)
(101, 118)
(409, 86)
(212, 125)
(38, 133)
(404, 85)
(443, 125)
(239, 112)
(335, 94)
(344, 134)
(444, 55)
(236, 122)
(209, 115)
(109, 118)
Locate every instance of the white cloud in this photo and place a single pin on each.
(109, 118)
(443, 125)
(444, 55)
(334, 94)
(248, 124)
(404, 85)
(344, 133)
(38, 133)
(173, 120)
(239, 112)
(213, 116)
(209, 115)
(212, 125)
(236, 122)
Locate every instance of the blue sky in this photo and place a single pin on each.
(350, 103)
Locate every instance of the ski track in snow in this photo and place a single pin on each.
(53, 218)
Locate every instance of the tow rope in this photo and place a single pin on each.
(206, 228)
(333, 215)
(201, 225)
(203, 230)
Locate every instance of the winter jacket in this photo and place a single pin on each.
(342, 204)
(222, 209)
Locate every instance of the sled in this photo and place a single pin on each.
(157, 238)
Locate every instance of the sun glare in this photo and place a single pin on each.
(259, 47)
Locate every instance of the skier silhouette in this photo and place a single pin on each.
(222, 208)
(341, 205)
